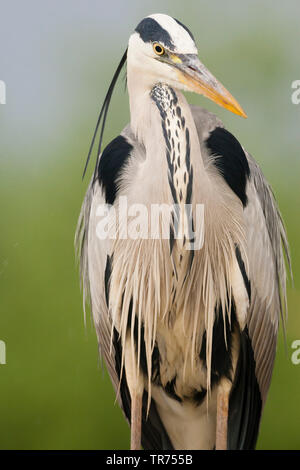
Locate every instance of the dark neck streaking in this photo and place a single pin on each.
(178, 154)
(177, 139)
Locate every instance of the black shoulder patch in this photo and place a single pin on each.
(112, 161)
(151, 31)
(184, 27)
(231, 162)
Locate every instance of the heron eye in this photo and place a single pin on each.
(158, 49)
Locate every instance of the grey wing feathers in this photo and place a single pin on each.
(92, 254)
(81, 243)
(266, 246)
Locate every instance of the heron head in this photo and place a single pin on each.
(162, 49)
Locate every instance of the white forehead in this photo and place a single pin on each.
(182, 40)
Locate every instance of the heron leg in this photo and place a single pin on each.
(136, 421)
(222, 416)
(135, 384)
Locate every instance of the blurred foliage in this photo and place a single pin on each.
(53, 392)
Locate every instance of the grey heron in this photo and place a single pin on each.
(188, 335)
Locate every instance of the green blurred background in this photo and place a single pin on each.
(57, 58)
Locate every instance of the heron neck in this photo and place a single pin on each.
(160, 110)
(166, 128)
(140, 108)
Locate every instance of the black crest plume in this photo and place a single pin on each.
(103, 114)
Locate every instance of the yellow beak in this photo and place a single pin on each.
(197, 78)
